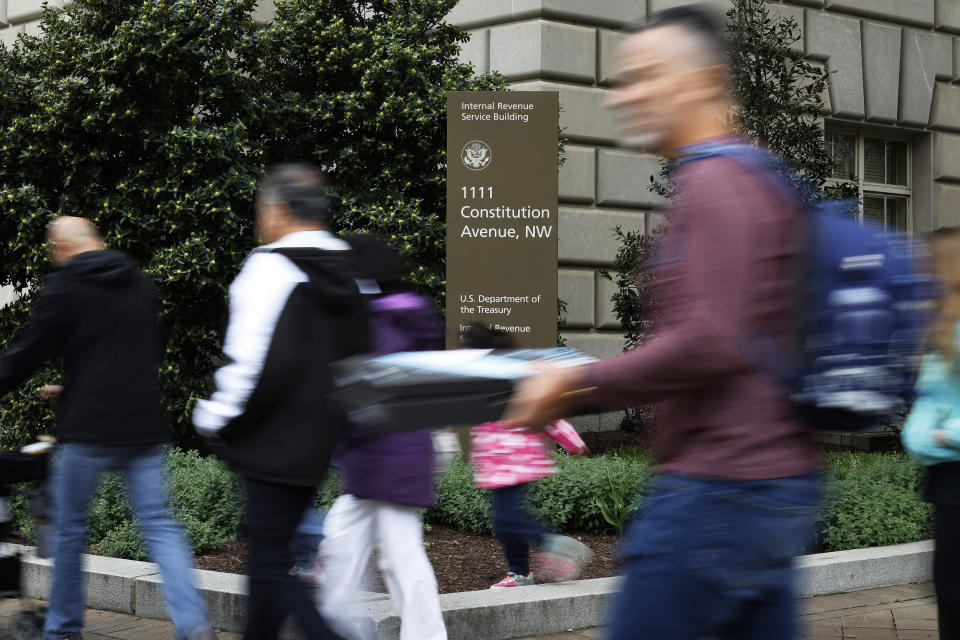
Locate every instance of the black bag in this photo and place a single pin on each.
(403, 392)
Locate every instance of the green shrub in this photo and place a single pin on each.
(22, 520)
(458, 502)
(568, 500)
(873, 500)
(329, 490)
(206, 498)
(125, 541)
(155, 119)
(109, 509)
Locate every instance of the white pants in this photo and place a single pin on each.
(351, 529)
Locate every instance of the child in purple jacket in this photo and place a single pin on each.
(387, 478)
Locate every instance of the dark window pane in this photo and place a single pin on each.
(873, 210)
(896, 162)
(843, 151)
(873, 157)
(897, 214)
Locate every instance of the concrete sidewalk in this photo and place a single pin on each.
(100, 625)
(907, 612)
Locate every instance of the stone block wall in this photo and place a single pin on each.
(896, 69)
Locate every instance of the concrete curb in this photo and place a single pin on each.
(858, 569)
(134, 588)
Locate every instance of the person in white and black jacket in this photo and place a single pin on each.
(295, 307)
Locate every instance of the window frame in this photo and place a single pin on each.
(877, 188)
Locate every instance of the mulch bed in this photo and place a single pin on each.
(462, 561)
(468, 561)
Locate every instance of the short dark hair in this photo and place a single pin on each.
(699, 19)
(302, 187)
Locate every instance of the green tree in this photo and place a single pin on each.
(361, 88)
(155, 119)
(135, 115)
(634, 303)
(780, 94)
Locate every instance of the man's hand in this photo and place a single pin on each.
(544, 396)
(51, 392)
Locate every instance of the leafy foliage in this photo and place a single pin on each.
(458, 502)
(570, 499)
(780, 94)
(205, 497)
(155, 119)
(870, 500)
(135, 115)
(567, 500)
(616, 507)
(874, 500)
(361, 87)
(633, 302)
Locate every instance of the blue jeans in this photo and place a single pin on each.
(308, 535)
(77, 470)
(713, 558)
(514, 528)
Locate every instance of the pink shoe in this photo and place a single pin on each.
(561, 558)
(311, 574)
(514, 580)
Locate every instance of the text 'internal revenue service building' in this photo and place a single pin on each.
(502, 214)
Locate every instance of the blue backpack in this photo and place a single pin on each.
(864, 310)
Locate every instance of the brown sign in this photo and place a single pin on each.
(502, 214)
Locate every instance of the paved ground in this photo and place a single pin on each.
(907, 612)
(894, 613)
(101, 625)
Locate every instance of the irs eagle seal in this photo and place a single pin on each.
(476, 155)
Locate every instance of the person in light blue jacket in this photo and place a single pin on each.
(932, 431)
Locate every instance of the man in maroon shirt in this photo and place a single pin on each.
(711, 554)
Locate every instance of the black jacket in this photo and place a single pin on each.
(294, 308)
(99, 313)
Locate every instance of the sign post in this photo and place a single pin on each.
(502, 214)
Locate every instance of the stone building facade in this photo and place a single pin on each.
(893, 117)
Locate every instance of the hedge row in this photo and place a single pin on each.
(870, 500)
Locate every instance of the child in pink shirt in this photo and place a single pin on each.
(506, 459)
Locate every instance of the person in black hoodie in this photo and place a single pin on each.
(295, 307)
(98, 312)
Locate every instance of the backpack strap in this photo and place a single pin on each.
(761, 349)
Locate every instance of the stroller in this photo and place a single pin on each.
(28, 465)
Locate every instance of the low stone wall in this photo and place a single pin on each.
(132, 587)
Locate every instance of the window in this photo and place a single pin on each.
(880, 168)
